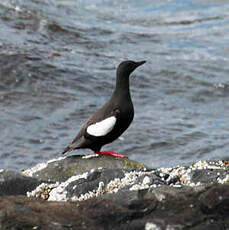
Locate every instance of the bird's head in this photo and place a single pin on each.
(127, 67)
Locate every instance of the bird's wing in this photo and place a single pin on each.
(104, 124)
(91, 131)
(102, 128)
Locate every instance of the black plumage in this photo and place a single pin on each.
(118, 109)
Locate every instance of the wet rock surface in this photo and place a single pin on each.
(115, 197)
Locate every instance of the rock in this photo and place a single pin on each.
(13, 183)
(200, 173)
(111, 178)
(215, 200)
(116, 194)
(181, 208)
(63, 168)
(96, 183)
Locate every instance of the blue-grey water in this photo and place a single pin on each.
(57, 66)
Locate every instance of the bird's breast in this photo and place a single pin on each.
(126, 116)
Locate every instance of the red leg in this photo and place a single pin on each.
(111, 153)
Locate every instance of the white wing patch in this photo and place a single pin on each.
(102, 128)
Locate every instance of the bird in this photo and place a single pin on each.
(112, 119)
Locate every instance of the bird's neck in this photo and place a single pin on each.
(122, 85)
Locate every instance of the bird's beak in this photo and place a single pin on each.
(140, 63)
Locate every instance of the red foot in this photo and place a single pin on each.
(111, 153)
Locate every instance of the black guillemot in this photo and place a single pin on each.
(112, 119)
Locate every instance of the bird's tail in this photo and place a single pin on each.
(76, 144)
(72, 146)
(67, 149)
